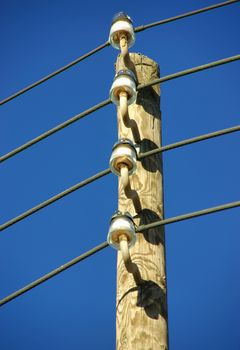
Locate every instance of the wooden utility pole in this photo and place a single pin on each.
(142, 308)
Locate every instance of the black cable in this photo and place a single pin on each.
(54, 130)
(105, 244)
(107, 171)
(188, 216)
(184, 15)
(106, 102)
(190, 71)
(47, 77)
(189, 141)
(53, 273)
(53, 199)
(90, 53)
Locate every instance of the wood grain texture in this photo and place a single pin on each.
(142, 309)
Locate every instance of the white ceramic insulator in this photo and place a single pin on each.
(120, 27)
(120, 154)
(118, 227)
(123, 83)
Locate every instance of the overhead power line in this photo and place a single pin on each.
(54, 199)
(108, 101)
(184, 15)
(188, 216)
(54, 130)
(102, 46)
(189, 141)
(190, 71)
(108, 171)
(58, 71)
(53, 273)
(105, 244)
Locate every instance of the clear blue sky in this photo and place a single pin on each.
(76, 310)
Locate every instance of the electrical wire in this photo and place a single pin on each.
(188, 216)
(108, 171)
(53, 199)
(102, 46)
(54, 130)
(53, 273)
(105, 244)
(184, 15)
(189, 141)
(108, 101)
(190, 71)
(49, 76)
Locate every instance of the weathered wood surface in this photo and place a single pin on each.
(142, 309)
